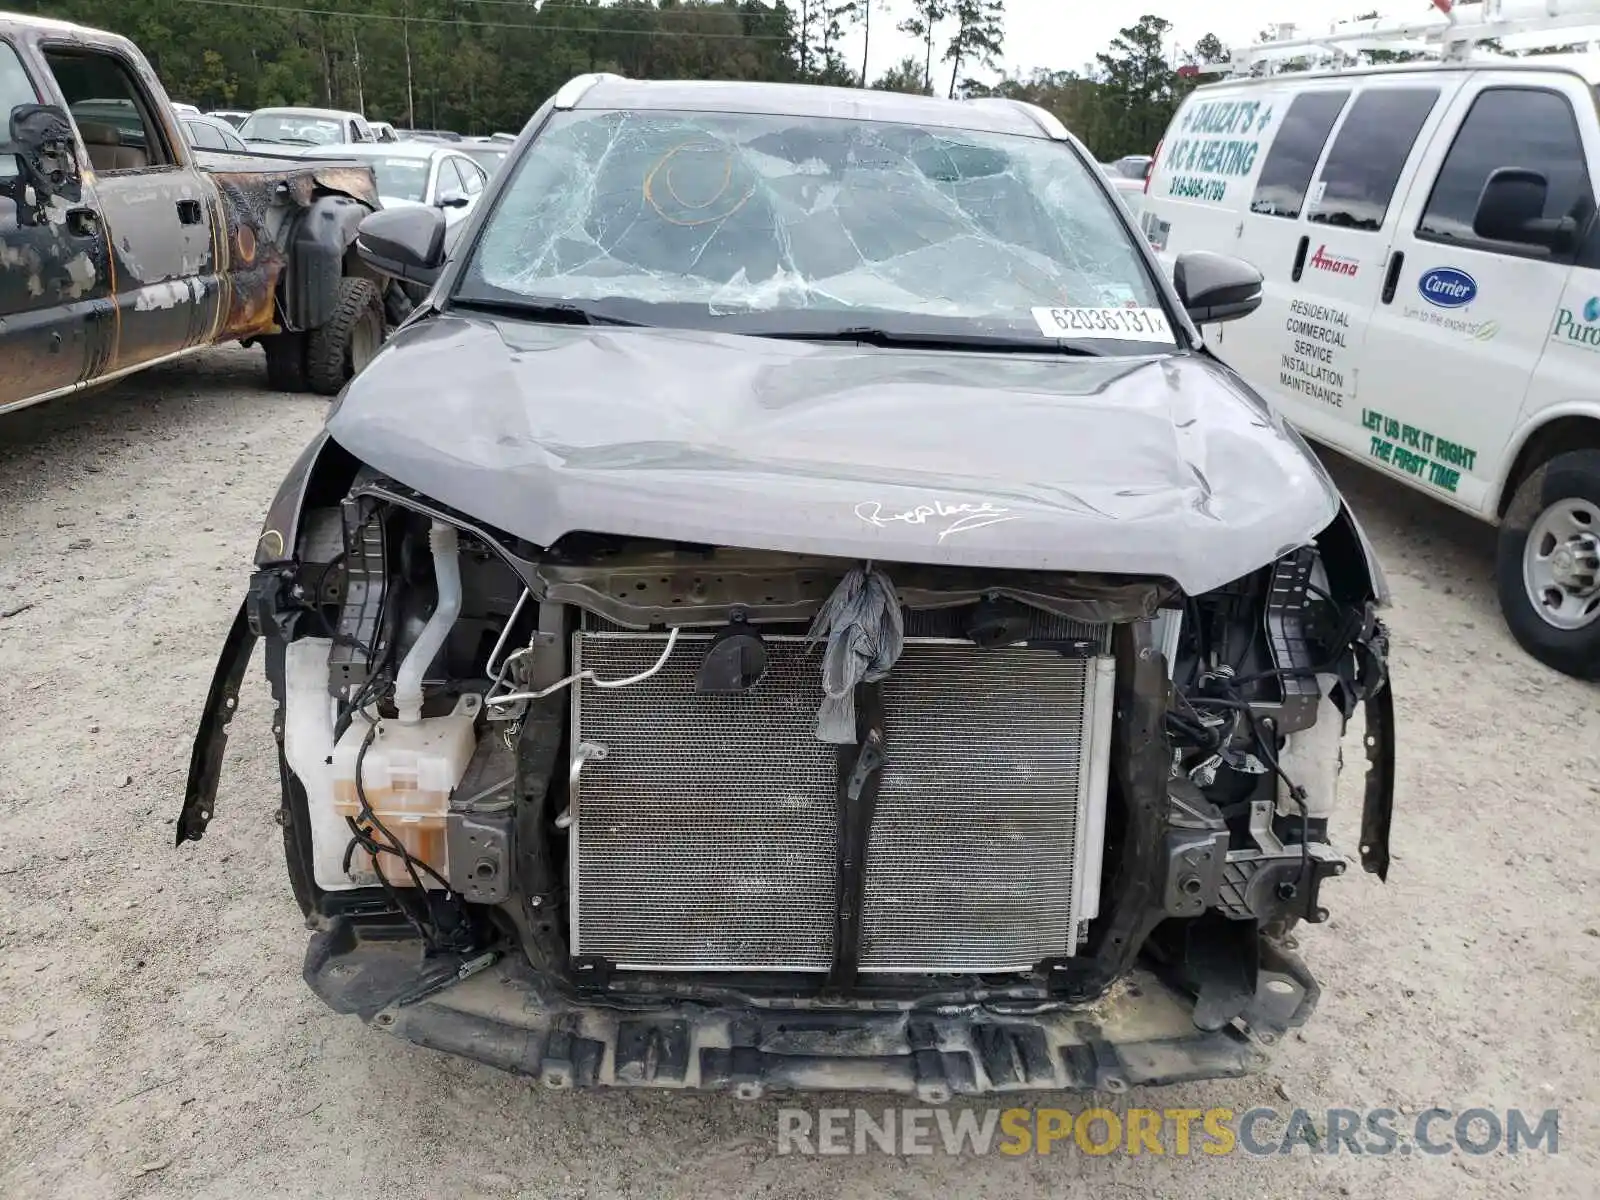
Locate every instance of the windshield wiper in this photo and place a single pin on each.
(869, 335)
(552, 312)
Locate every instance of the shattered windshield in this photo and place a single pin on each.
(722, 214)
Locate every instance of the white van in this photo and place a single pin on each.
(1431, 302)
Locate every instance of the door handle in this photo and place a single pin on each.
(1392, 279)
(189, 212)
(83, 222)
(1300, 257)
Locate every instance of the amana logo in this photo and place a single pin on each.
(1447, 287)
(1332, 263)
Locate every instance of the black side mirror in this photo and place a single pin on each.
(1215, 287)
(1511, 209)
(46, 152)
(404, 243)
(454, 198)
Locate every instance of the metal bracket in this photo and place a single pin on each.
(479, 850)
(1377, 809)
(858, 795)
(1197, 847)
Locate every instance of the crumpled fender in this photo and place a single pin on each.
(322, 473)
(1352, 564)
(205, 759)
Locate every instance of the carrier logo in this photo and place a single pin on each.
(947, 518)
(1333, 264)
(1446, 287)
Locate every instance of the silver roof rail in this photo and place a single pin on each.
(1048, 123)
(574, 89)
(1454, 32)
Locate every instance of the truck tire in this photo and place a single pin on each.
(286, 361)
(1548, 564)
(350, 338)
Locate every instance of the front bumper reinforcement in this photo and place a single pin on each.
(1140, 1033)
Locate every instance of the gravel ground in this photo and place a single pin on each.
(156, 1039)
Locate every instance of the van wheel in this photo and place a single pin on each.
(286, 361)
(1548, 567)
(352, 335)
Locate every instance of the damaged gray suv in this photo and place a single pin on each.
(799, 606)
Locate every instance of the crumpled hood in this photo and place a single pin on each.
(1163, 466)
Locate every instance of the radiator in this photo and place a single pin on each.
(704, 832)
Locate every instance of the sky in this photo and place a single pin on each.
(1067, 34)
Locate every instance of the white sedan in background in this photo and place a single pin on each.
(418, 173)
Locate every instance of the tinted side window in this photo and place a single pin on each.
(1509, 127)
(1285, 176)
(1364, 165)
(14, 90)
(471, 177)
(204, 137)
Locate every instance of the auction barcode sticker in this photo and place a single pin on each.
(1126, 324)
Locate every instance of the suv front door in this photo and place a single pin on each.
(55, 289)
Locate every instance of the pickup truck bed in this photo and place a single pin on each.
(121, 248)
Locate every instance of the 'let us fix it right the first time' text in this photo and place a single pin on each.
(1416, 451)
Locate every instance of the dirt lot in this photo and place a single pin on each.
(156, 1039)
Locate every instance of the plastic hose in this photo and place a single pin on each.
(445, 544)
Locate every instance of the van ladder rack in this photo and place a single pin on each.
(1454, 33)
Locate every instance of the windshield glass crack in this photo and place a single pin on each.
(743, 213)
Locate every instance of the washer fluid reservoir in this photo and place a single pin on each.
(408, 774)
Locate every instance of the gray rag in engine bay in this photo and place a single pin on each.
(865, 633)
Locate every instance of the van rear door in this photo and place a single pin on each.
(1321, 237)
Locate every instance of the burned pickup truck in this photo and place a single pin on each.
(120, 248)
(799, 606)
